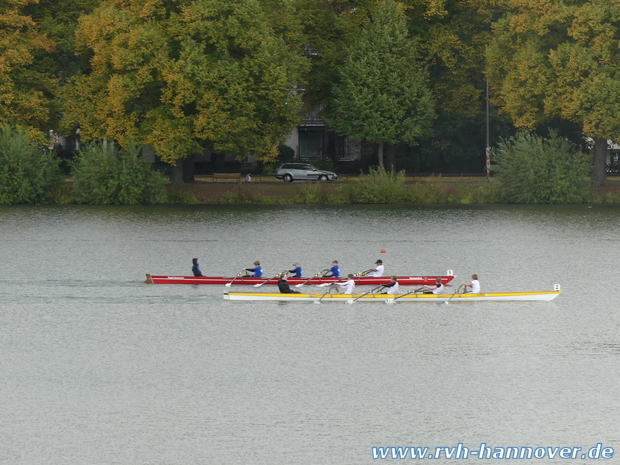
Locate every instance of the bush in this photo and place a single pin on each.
(535, 170)
(106, 175)
(28, 172)
(379, 186)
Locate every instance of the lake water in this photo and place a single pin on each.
(97, 367)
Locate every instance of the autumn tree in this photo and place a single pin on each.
(184, 75)
(560, 59)
(25, 92)
(383, 94)
(453, 36)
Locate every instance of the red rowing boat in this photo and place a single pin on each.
(245, 280)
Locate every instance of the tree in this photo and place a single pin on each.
(28, 172)
(383, 94)
(533, 169)
(182, 76)
(25, 93)
(556, 59)
(453, 36)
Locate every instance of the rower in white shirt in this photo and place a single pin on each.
(348, 286)
(392, 287)
(436, 289)
(474, 284)
(378, 271)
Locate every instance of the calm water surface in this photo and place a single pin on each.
(97, 367)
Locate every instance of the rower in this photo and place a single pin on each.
(297, 270)
(378, 270)
(392, 287)
(474, 284)
(348, 286)
(436, 289)
(257, 270)
(334, 271)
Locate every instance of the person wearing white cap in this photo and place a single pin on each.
(378, 270)
(297, 270)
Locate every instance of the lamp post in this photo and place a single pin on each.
(488, 145)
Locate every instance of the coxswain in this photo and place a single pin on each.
(284, 286)
(196, 267)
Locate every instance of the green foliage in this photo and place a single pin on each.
(309, 194)
(106, 175)
(537, 170)
(179, 76)
(28, 172)
(180, 196)
(383, 95)
(379, 186)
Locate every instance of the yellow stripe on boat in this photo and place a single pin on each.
(482, 297)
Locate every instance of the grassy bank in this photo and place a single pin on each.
(428, 191)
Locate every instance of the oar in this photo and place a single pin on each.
(362, 273)
(235, 278)
(267, 280)
(415, 291)
(357, 298)
(455, 292)
(328, 291)
(315, 276)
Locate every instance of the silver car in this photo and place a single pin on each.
(290, 172)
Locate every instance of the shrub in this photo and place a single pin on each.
(535, 170)
(379, 186)
(106, 175)
(28, 172)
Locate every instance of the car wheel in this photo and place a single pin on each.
(288, 178)
(322, 178)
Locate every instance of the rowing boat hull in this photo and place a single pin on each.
(361, 281)
(485, 297)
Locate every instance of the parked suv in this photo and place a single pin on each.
(290, 172)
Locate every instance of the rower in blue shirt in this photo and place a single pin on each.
(196, 267)
(334, 271)
(257, 270)
(297, 270)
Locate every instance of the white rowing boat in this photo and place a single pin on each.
(351, 298)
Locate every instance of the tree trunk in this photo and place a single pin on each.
(182, 172)
(380, 154)
(599, 175)
(188, 170)
(391, 157)
(176, 173)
